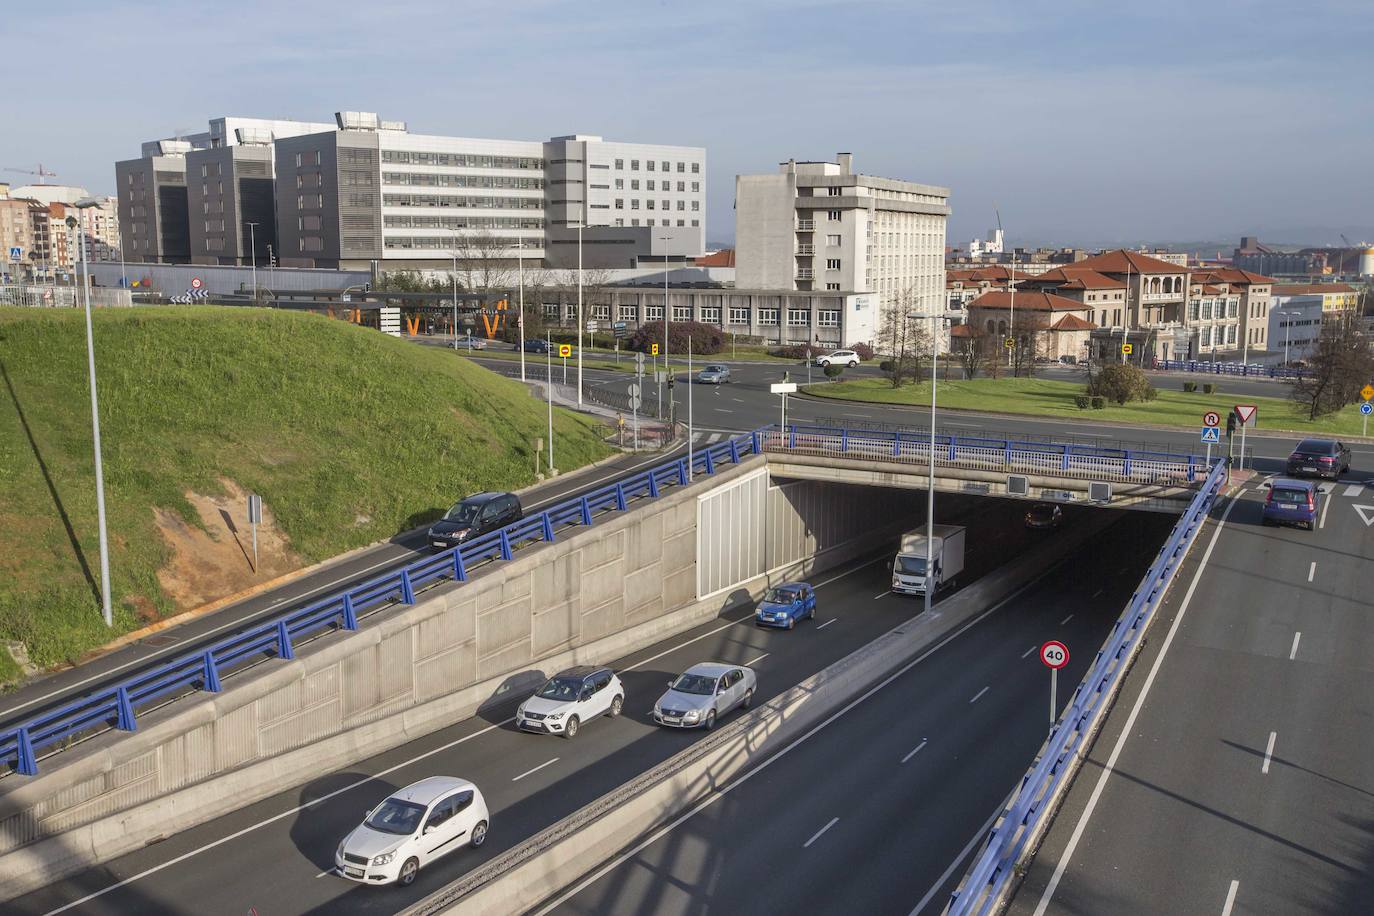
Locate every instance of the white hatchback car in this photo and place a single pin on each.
(412, 828)
(839, 358)
(570, 698)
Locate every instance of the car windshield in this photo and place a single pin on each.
(714, 369)
(1042, 511)
(780, 596)
(912, 566)
(565, 689)
(1316, 447)
(464, 513)
(695, 683)
(1289, 495)
(396, 816)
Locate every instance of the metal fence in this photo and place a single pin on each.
(53, 296)
(537, 370)
(1026, 814)
(1250, 370)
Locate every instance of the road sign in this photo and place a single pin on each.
(1366, 392)
(621, 329)
(196, 283)
(653, 349)
(1361, 511)
(1126, 349)
(1366, 409)
(254, 519)
(592, 327)
(565, 350)
(1211, 418)
(1245, 412)
(633, 390)
(1008, 343)
(1211, 434)
(16, 253)
(1054, 654)
(783, 387)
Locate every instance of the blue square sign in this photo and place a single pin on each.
(1211, 434)
(16, 253)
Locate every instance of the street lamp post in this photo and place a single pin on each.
(666, 316)
(453, 277)
(95, 435)
(1287, 327)
(253, 255)
(520, 318)
(930, 483)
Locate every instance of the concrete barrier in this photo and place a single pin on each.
(530, 873)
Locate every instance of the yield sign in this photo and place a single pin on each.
(1245, 412)
(1366, 514)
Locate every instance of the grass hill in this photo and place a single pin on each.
(349, 436)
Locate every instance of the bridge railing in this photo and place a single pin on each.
(983, 454)
(1026, 813)
(116, 704)
(1245, 370)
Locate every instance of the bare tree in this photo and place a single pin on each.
(1341, 365)
(902, 339)
(968, 351)
(1028, 330)
(484, 262)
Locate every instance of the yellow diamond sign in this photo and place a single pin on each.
(1367, 392)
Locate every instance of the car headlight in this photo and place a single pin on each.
(554, 715)
(385, 858)
(691, 716)
(521, 711)
(338, 853)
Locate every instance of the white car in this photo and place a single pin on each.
(411, 829)
(569, 699)
(840, 358)
(704, 693)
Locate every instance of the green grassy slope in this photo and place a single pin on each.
(349, 435)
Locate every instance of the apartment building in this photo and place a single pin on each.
(822, 226)
(230, 195)
(154, 219)
(1331, 297)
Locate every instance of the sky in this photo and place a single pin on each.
(1081, 123)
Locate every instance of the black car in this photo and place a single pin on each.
(1319, 458)
(536, 346)
(474, 517)
(1044, 515)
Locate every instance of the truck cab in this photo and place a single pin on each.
(946, 551)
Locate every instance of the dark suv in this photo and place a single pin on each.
(537, 345)
(1319, 458)
(474, 517)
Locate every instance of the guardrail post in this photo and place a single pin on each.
(792, 436)
(653, 485)
(350, 617)
(210, 676)
(710, 462)
(586, 512)
(27, 763)
(620, 497)
(505, 544)
(1006, 452)
(896, 445)
(734, 451)
(953, 442)
(124, 711)
(407, 590)
(1126, 465)
(459, 573)
(844, 440)
(548, 527)
(284, 650)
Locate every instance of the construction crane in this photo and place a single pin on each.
(42, 173)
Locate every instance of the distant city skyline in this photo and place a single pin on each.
(1081, 123)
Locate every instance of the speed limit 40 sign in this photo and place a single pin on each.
(1054, 654)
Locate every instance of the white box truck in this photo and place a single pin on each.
(909, 566)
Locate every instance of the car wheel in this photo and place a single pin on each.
(710, 722)
(408, 872)
(748, 699)
(615, 706)
(571, 729)
(853, 363)
(791, 622)
(479, 834)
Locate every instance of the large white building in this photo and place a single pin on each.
(822, 226)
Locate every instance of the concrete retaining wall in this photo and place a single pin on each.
(589, 597)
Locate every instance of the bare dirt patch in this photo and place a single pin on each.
(217, 560)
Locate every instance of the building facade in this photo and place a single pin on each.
(230, 195)
(1295, 325)
(154, 219)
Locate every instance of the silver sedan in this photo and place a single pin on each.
(704, 693)
(714, 375)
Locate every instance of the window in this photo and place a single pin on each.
(696, 187)
(635, 222)
(832, 286)
(1193, 310)
(620, 222)
(682, 166)
(601, 312)
(634, 184)
(628, 313)
(551, 311)
(833, 240)
(832, 263)
(300, 201)
(649, 166)
(696, 168)
(1205, 337)
(739, 315)
(1207, 310)
(682, 313)
(834, 191)
(648, 205)
(833, 215)
(667, 166)
(620, 184)
(696, 207)
(620, 163)
(317, 157)
(634, 165)
(696, 222)
(666, 207)
(653, 313)
(1230, 333)
(681, 204)
(798, 318)
(681, 185)
(828, 318)
(710, 313)
(620, 203)
(768, 316)
(298, 160)
(650, 184)
(1232, 308)
(634, 205)
(682, 222)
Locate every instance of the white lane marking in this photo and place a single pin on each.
(723, 410)
(738, 400)
(1354, 489)
(883, 595)
(1098, 592)
(1230, 898)
(751, 664)
(817, 835)
(979, 695)
(978, 838)
(327, 871)
(1312, 571)
(1326, 504)
(1293, 653)
(914, 751)
(730, 787)
(827, 623)
(536, 769)
(1066, 620)
(1029, 651)
(1269, 752)
(1129, 727)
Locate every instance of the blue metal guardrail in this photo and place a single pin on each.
(117, 704)
(995, 867)
(1242, 369)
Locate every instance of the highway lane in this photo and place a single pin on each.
(59, 688)
(1234, 769)
(873, 813)
(272, 854)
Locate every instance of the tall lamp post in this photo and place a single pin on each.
(935, 317)
(253, 255)
(666, 315)
(95, 434)
(520, 319)
(1287, 327)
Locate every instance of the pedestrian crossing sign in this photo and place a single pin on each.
(1211, 434)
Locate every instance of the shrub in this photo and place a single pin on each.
(794, 351)
(833, 371)
(864, 350)
(1209, 388)
(1099, 402)
(1189, 387)
(1081, 401)
(706, 338)
(887, 366)
(1121, 383)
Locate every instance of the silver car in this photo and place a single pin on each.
(703, 693)
(714, 375)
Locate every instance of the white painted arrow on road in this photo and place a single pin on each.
(1366, 514)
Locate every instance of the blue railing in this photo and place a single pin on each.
(1024, 816)
(1250, 370)
(117, 705)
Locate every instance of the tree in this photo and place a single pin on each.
(1342, 364)
(707, 339)
(968, 351)
(1122, 383)
(484, 262)
(1029, 329)
(902, 339)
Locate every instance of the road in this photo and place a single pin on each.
(873, 813)
(1233, 774)
(273, 854)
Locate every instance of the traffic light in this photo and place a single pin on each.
(671, 380)
(1230, 422)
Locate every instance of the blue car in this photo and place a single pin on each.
(784, 605)
(1291, 502)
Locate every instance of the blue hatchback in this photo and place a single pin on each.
(1291, 502)
(784, 605)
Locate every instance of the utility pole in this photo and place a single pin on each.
(521, 315)
(253, 255)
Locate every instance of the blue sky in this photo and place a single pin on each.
(1082, 122)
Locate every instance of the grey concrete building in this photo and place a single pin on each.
(228, 188)
(153, 215)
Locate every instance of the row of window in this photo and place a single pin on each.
(461, 222)
(649, 185)
(796, 318)
(404, 242)
(1204, 309)
(649, 204)
(1214, 337)
(461, 202)
(460, 160)
(421, 179)
(649, 222)
(649, 166)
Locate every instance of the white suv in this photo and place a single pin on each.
(840, 358)
(570, 698)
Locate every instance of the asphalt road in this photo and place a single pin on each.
(873, 814)
(273, 854)
(1232, 775)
